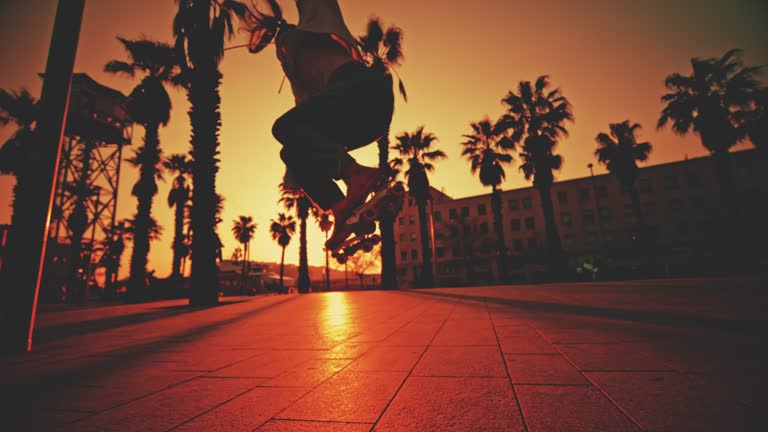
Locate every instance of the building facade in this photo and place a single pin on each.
(680, 201)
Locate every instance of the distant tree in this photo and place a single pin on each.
(361, 262)
(324, 223)
(200, 28)
(177, 199)
(710, 102)
(113, 246)
(296, 199)
(282, 229)
(21, 109)
(416, 148)
(243, 229)
(383, 52)
(619, 151)
(150, 106)
(757, 121)
(536, 116)
(487, 150)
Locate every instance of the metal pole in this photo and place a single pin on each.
(27, 242)
(435, 276)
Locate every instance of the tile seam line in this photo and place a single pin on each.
(509, 378)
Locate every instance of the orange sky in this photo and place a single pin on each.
(609, 58)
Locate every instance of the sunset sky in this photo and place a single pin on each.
(609, 58)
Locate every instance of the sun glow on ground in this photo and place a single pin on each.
(335, 318)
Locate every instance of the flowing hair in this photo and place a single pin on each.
(263, 27)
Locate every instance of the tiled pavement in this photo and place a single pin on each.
(384, 361)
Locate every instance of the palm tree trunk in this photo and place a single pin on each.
(178, 234)
(327, 268)
(145, 190)
(242, 272)
(387, 227)
(427, 278)
(498, 226)
(282, 270)
(730, 232)
(554, 247)
(205, 118)
(303, 282)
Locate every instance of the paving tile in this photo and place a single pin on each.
(308, 374)
(453, 404)
(417, 333)
(523, 340)
(379, 333)
(386, 358)
(168, 408)
(470, 361)
(570, 409)
(41, 420)
(245, 412)
(615, 357)
(466, 332)
(347, 350)
(670, 401)
(348, 396)
(310, 426)
(267, 365)
(558, 336)
(542, 369)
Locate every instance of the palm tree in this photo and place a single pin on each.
(200, 28)
(417, 149)
(757, 121)
(620, 152)
(177, 198)
(537, 116)
(324, 222)
(709, 102)
(21, 109)
(150, 106)
(487, 149)
(243, 229)
(282, 230)
(383, 52)
(113, 246)
(296, 198)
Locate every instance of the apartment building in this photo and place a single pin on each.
(681, 203)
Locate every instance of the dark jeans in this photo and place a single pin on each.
(353, 111)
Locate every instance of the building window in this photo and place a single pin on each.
(403, 255)
(601, 191)
(629, 211)
(414, 254)
(566, 219)
(481, 210)
(401, 221)
(413, 237)
(671, 182)
(513, 204)
(644, 186)
(694, 180)
(436, 215)
(440, 252)
(604, 214)
(530, 223)
(584, 194)
(411, 220)
(452, 213)
(562, 197)
(484, 228)
(588, 215)
(465, 211)
(569, 240)
(591, 238)
(515, 224)
(403, 237)
(518, 244)
(610, 236)
(410, 202)
(467, 230)
(527, 203)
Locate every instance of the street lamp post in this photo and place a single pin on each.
(27, 241)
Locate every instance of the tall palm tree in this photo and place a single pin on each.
(619, 151)
(243, 229)
(324, 222)
(536, 116)
(488, 149)
(282, 230)
(150, 106)
(296, 198)
(417, 149)
(200, 28)
(382, 51)
(178, 196)
(709, 102)
(21, 109)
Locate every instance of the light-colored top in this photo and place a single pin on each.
(324, 16)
